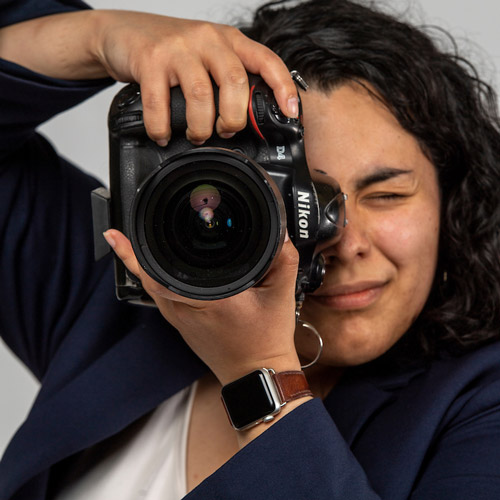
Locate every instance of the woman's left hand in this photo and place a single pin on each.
(238, 334)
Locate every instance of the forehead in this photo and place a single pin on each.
(350, 128)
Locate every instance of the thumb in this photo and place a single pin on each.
(283, 271)
(123, 249)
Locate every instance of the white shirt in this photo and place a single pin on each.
(150, 465)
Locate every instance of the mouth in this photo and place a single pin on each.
(350, 297)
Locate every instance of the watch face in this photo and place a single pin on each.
(250, 398)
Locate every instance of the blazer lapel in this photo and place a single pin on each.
(364, 391)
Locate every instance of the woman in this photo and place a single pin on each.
(406, 389)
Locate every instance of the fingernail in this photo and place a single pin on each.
(293, 107)
(227, 135)
(162, 143)
(287, 238)
(109, 239)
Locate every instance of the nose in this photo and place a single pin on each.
(354, 242)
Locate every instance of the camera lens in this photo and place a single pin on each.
(208, 223)
(195, 241)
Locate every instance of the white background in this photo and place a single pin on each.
(80, 134)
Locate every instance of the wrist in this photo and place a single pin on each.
(260, 396)
(99, 26)
(289, 362)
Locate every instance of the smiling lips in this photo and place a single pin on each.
(350, 297)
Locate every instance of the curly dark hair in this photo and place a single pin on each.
(438, 97)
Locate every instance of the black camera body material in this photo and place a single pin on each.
(206, 222)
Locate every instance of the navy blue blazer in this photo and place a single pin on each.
(391, 431)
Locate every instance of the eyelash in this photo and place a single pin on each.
(387, 196)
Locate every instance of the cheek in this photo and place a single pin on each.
(409, 239)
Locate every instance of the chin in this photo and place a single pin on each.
(354, 346)
(355, 337)
(352, 357)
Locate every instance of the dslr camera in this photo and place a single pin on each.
(206, 222)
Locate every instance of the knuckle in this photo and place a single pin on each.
(200, 91)
(270, 56)
(152, 101)
(232, 32)
(208, 30)
(155, 55)
(237, 78)
(267, 57)
(272, 61)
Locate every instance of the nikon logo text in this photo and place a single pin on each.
(304, 212)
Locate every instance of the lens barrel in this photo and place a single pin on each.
(207, 223)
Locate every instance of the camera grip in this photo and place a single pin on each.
(178, 121)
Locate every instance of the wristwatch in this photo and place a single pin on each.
(260, 395)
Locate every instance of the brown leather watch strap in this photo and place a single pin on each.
(291, 385)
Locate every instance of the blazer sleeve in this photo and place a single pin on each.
(46, 254)
(16, 11)
(302, 456)
(28, 99)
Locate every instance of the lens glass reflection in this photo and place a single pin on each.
(209, 224)
(205, 199)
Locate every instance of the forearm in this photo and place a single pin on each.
(60, 46)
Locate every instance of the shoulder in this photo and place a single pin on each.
(472, 380)
(476, 368)
(454, 390)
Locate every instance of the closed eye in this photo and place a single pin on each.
(389, 196)
(386, 196)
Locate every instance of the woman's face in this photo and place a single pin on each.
(380, 273)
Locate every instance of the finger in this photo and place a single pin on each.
(200, 108)
(123, 249)
(232, 80)
(261, 60)
(155, 94)
(283, 271)
(233, 102)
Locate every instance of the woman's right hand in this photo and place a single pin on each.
(161, 52)
(158, 52)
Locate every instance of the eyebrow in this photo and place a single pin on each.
(380, 175)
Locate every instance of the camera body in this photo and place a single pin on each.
(207, 222)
